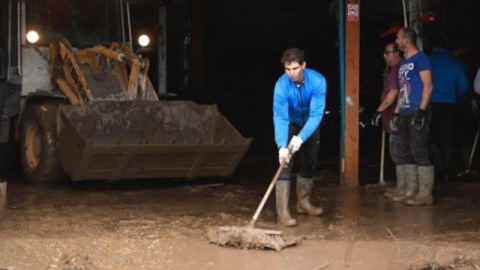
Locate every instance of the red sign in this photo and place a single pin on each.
(352, 12)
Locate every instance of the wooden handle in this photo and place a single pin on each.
(382, 158)
(267, 194)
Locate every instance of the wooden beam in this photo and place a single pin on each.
(352, 57)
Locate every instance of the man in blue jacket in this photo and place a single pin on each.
(450, 80)
(298, 108)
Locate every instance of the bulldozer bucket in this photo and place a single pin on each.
(147, 139)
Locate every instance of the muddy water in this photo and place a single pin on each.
(162, 225)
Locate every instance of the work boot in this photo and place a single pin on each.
(400, 172)
(304, 189)
(282, 191)
(411, 183)
(425, 183)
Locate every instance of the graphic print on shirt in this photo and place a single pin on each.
(405, 88)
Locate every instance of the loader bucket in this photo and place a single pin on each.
(147, 139)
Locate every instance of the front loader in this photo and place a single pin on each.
(97, 116)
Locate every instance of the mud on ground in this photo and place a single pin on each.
(163, 224)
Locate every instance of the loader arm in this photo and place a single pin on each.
(73, 74)
(101, 73)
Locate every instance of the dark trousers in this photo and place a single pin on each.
(307, 155)
(465, 126)
(441, 135)
(415, 143)
(396, 149)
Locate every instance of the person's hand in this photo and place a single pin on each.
(284, 155)
(418, 121)
(295, 144)
(394, 122)
(376, 118)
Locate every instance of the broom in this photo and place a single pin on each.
(381, 186)
(249, 237)
(471, 155)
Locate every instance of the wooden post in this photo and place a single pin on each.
(352, 57)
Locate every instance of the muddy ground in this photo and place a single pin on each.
(162, 224)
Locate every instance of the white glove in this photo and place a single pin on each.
(284, 155)
(295, 144)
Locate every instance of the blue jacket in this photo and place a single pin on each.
(303, 106)
(449, 77)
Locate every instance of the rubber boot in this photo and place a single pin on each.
(425, 183)
(400, 172)
(304, 189)
(411, 183)
(282, 191)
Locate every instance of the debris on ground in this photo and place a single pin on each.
(249, 238)
(456, 264)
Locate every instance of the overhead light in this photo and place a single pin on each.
(143, 40)
(32, 37)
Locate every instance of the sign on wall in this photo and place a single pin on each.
(352, 12)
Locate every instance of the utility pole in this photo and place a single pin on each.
(416, 13)
(162, 49)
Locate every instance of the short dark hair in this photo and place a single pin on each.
(395, 47)
(293, 55)
(410, 34)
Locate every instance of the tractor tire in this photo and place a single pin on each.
(39, 145)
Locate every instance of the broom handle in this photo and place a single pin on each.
(267, 194)
(473, 148)
(382, 158)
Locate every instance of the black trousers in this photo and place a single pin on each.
(307, 155)
(441, 135)
(415, 143)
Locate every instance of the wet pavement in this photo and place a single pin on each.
(153, 224)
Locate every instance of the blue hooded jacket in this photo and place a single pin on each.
(304, 105)
(449, 77)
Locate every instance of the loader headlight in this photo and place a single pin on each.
(144, 40)
(32, 37)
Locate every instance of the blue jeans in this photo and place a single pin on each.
(307, 154)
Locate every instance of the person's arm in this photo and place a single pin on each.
(317, 108)
(426, 76)
(461, 85)
(389, 100)
(281, 116)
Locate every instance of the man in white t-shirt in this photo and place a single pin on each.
(476, 83)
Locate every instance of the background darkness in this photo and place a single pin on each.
(236, 47)
(242, 42)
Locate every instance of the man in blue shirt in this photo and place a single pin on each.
(415, 79)
(298, 107)
(450, 80)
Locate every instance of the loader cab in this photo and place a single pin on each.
(82, 23)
